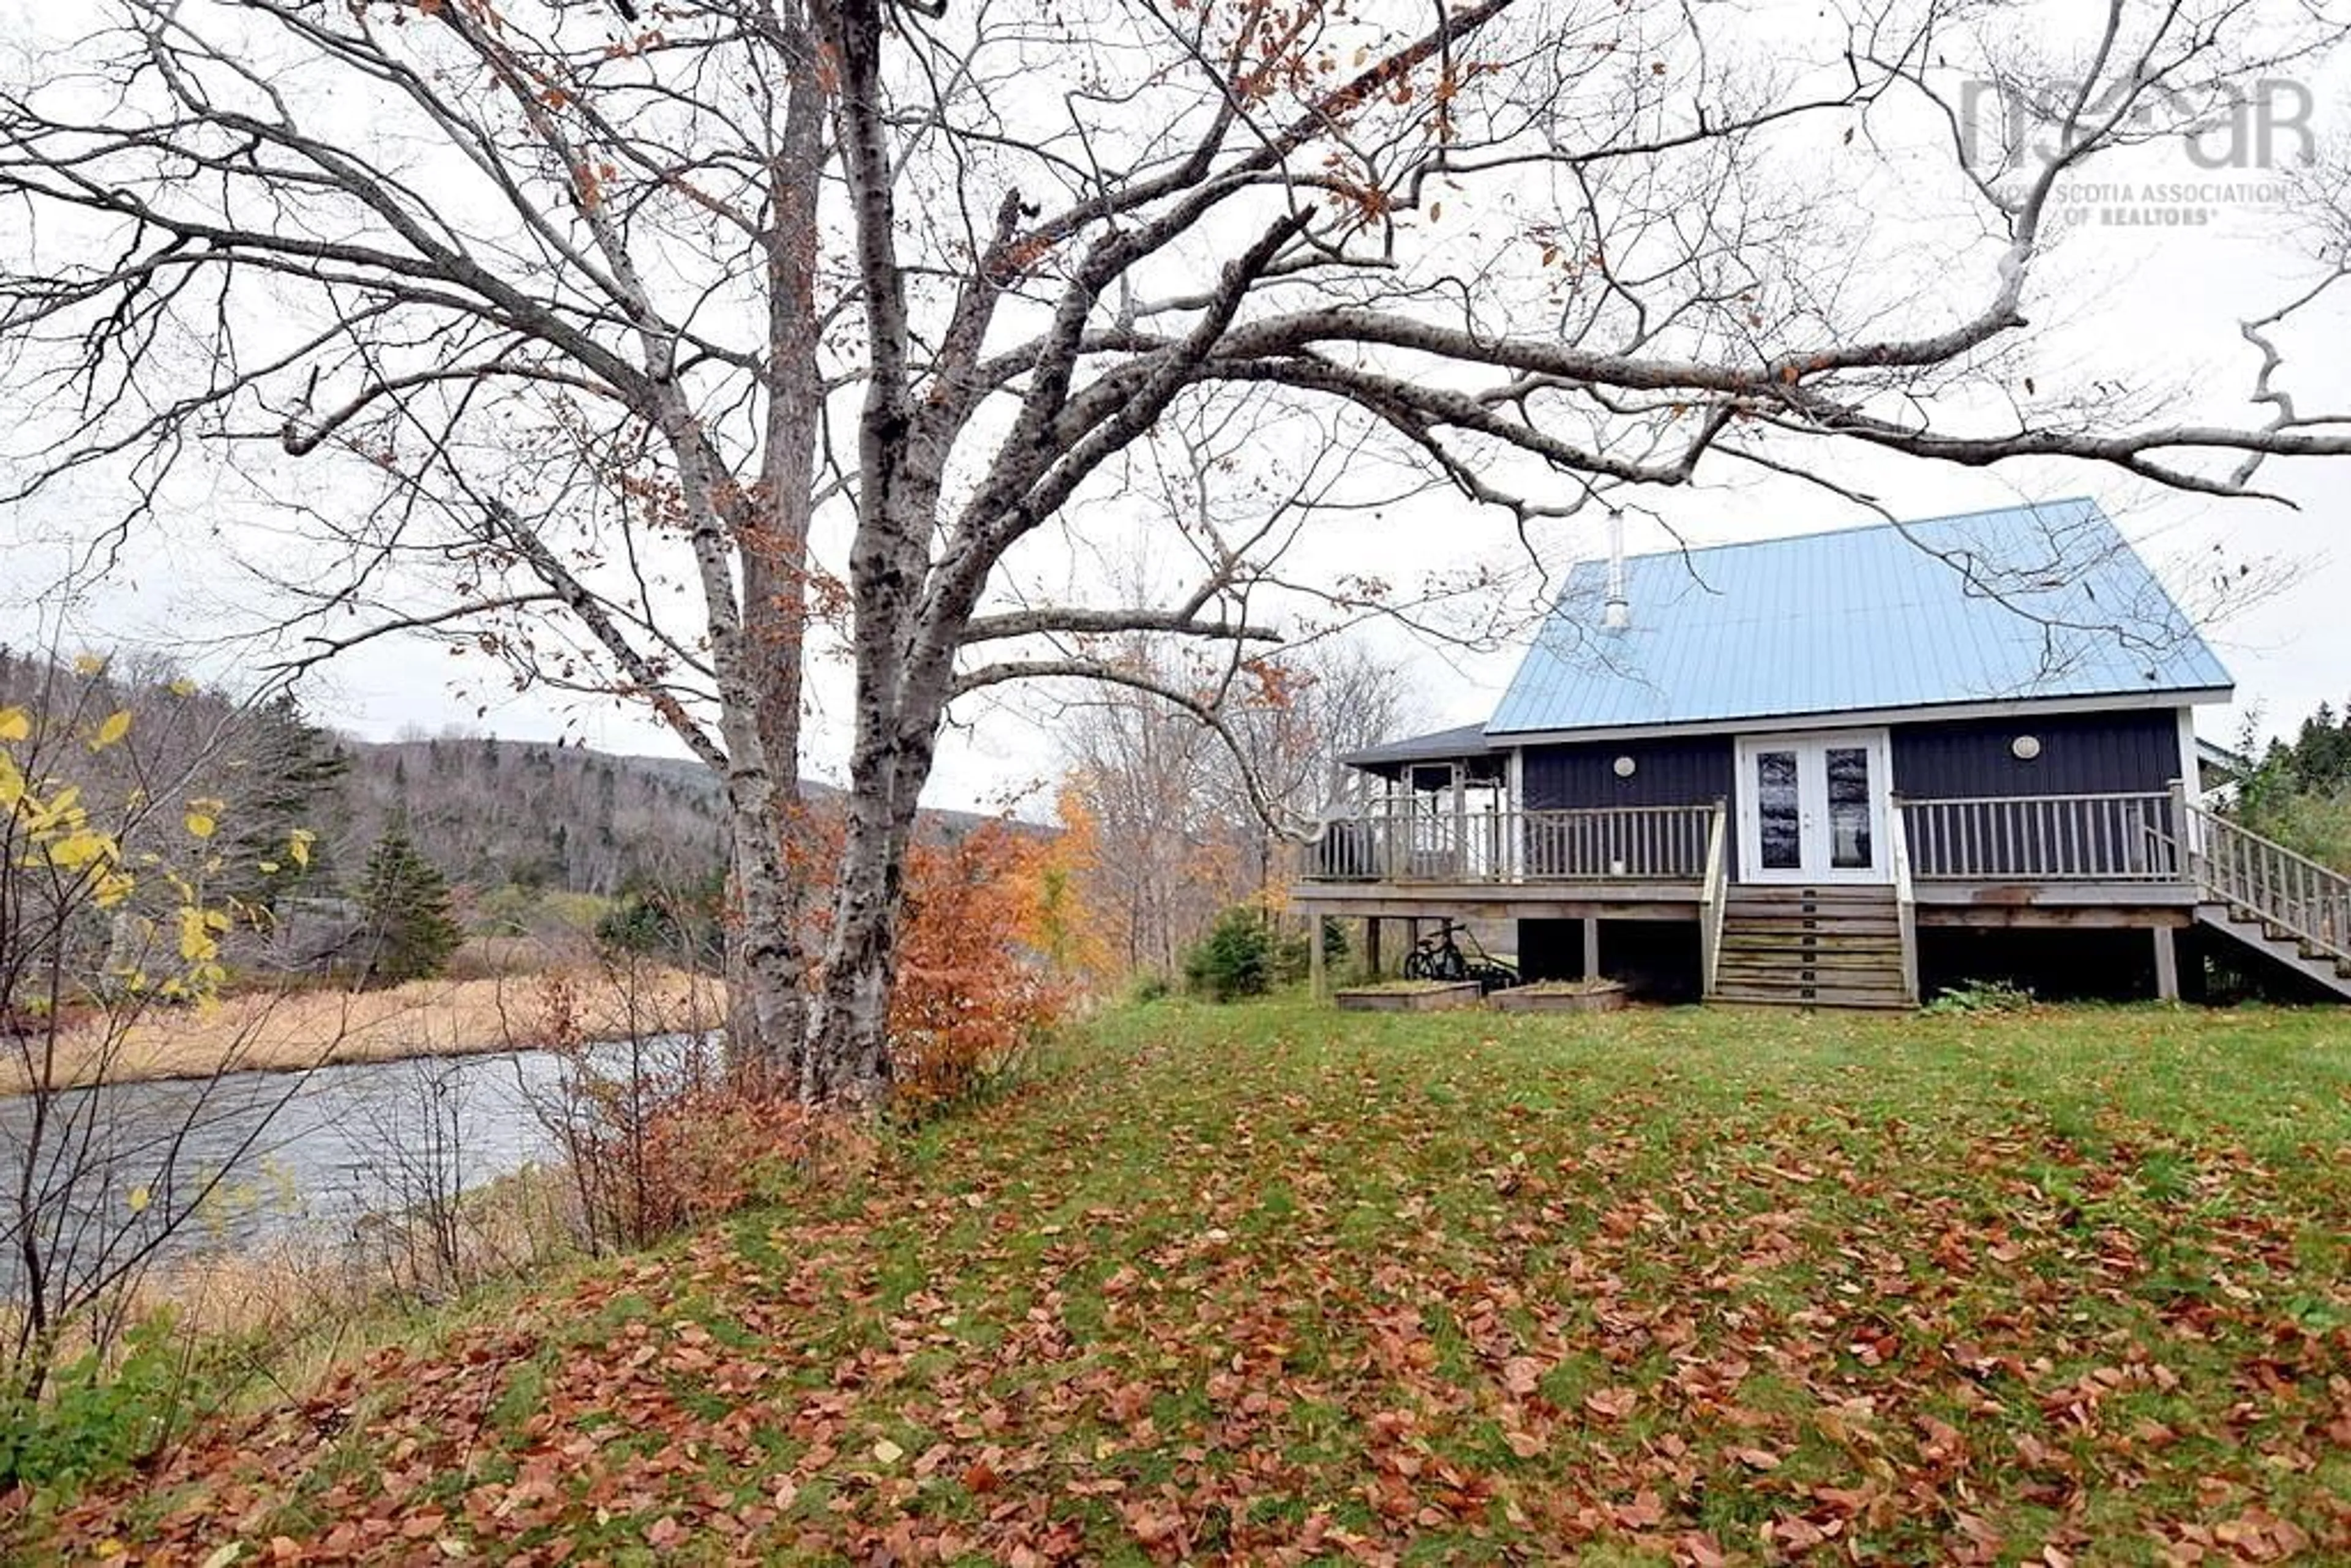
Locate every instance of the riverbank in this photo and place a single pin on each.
(274, 1031)
(1270, 1282)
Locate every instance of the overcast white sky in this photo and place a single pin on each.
(2152, 303)
(2289, 650)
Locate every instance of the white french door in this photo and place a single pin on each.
(1812, 807)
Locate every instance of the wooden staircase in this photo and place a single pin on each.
(1829, 947)
(2287, 907)
(1849, 945)
(2329, 970)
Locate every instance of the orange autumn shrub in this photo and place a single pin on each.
(994, 943)
(972, 993)
(659, 1135)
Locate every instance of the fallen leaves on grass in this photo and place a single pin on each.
(1241, 1286)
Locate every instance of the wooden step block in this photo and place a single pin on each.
(1854, 892)
(1885, 930)
(1889, 986)
(1813, 936)
(1810, 975)
(1890, 1001)
(1886, 917)
(1811, 952)
(1766, 980)
(1779, 941)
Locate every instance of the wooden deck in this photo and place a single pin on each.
(2056, 861)
(2077, 905)
(2152, 861)
(1548, 900)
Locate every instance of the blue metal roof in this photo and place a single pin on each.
(2039, 601)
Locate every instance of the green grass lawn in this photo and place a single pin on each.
(1280, 1284)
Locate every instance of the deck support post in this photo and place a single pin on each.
(1372, 946)
(2167, 964)
(1318, 980)
(1591, 947)
(1460, 820)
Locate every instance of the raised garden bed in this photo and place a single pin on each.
(1563, 997)
(1410, 997)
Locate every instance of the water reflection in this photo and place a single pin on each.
(304, 1154)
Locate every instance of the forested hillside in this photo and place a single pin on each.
(494, 816)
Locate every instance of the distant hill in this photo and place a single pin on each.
(489, 813)
(507, 812)
(498, 812)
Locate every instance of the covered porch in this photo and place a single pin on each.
(1448, 838)
(1428, 829)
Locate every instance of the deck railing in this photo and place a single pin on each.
(1713, 900)
(1628, 844)
(2044, 838)
(2295, 894)
(1906, 910)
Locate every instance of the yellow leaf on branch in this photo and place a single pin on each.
(196, 943)
(83, 846)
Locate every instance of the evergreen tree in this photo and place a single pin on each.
(409, 932)
(289, 777)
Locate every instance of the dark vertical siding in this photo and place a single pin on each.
(2081, 754)
(1693, 770)
(1679, 770)
(2133, 753)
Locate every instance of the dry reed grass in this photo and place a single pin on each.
(289, 1286)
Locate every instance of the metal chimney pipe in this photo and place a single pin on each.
(1617, 614)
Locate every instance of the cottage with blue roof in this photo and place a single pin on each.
(1843, 769)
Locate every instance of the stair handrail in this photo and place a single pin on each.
(2317, 888)
(1905, 900)
(1712, 899)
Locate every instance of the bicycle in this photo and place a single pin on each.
(1437, 956)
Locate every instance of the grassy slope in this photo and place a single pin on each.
(1280, 1284)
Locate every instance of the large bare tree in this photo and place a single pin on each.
(645, 345)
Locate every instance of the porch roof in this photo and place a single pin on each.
(2039, 601)
(1461, 740)
(1462, 743)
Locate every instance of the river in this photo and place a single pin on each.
(301, 1156)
